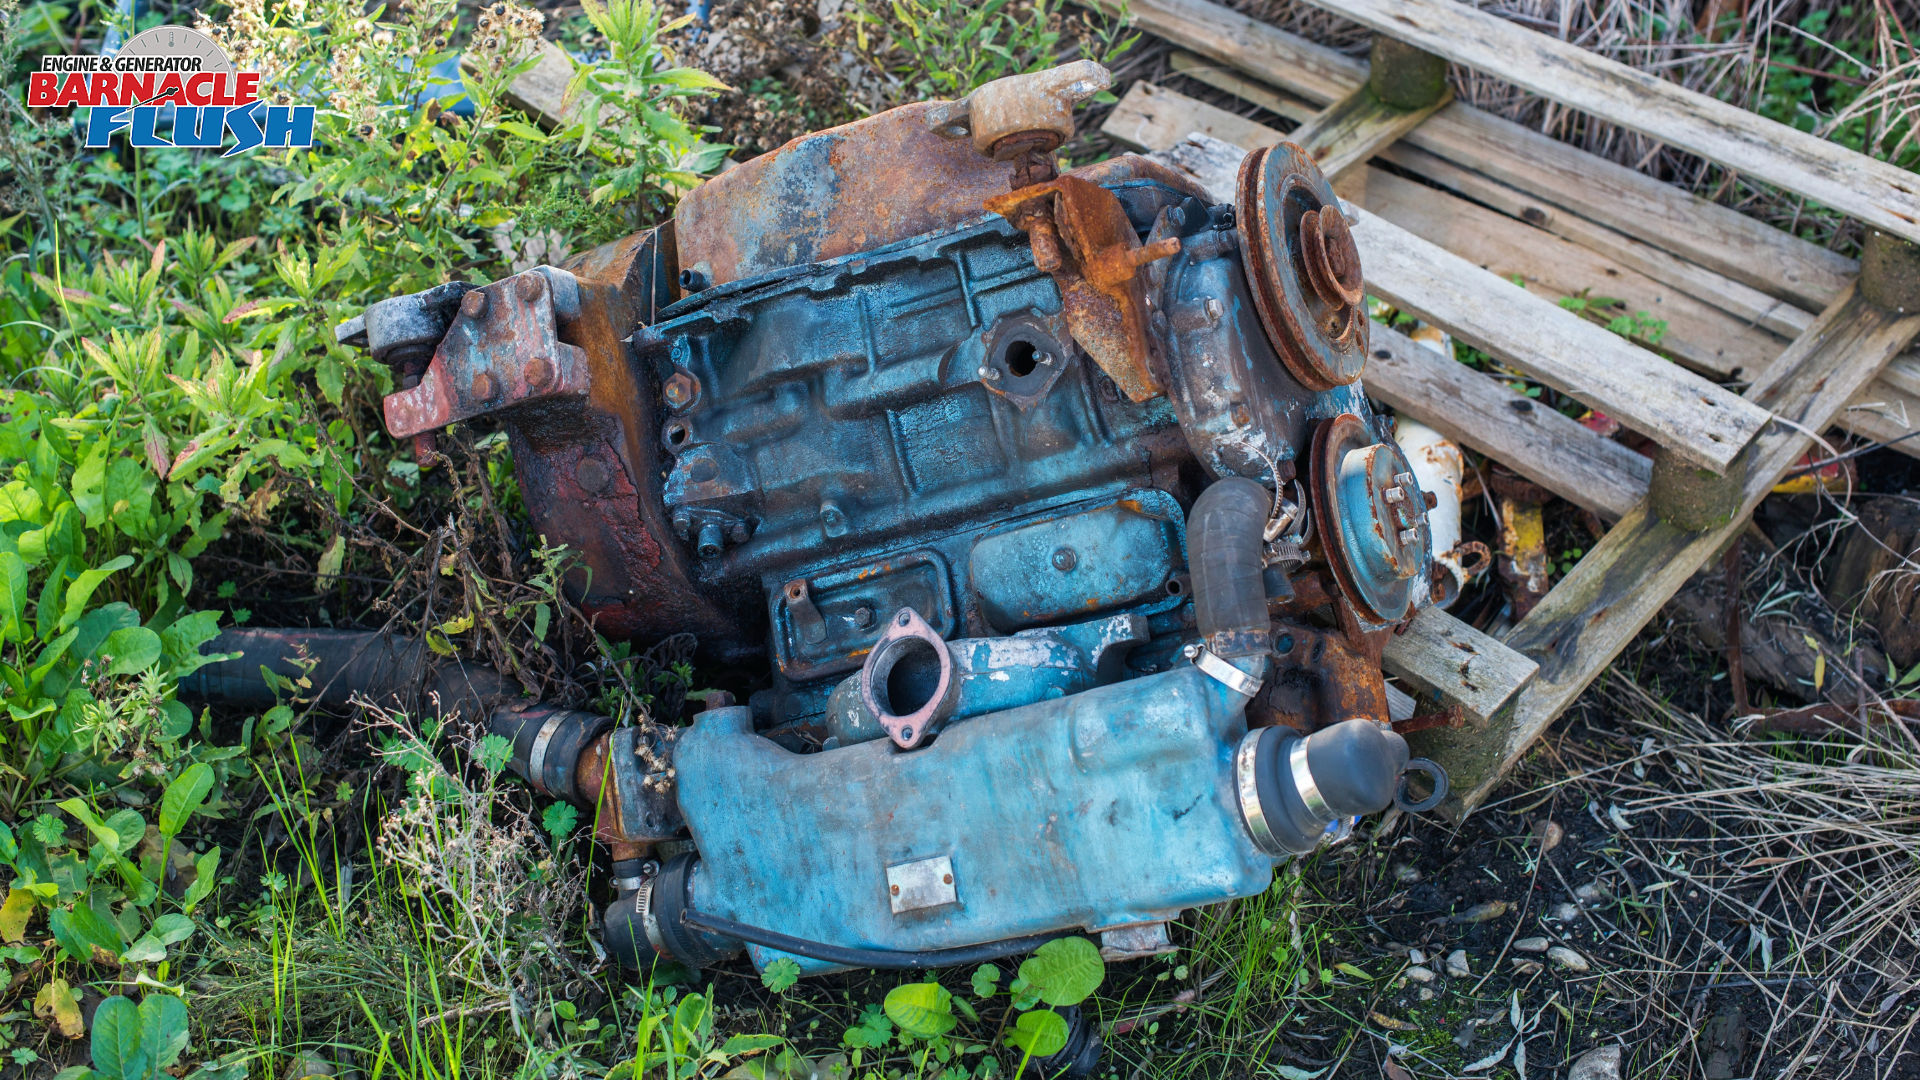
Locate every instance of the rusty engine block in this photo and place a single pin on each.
(974, 455)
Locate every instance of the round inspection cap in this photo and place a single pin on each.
(1372, 520)
(1303, 266)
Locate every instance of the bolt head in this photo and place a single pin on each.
(863, 617)
(474, 304)
(680, 390)
(539, 372)
(531, 285)
(482, 388)
(1192, 651)
(1065, 559)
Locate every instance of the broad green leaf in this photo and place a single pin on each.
(780, 975)
(184, 796)
(172, 928)
(163, 1030)
(148, 950)
(85, 935)
(84, 815)
(204, 869)
(986, 980)
(83, 586)
(89, 484)
(13, 596)
(737, 1045)
(1040, 1033)
(116, 1040)
(129, 827)
(924, 1009)
(134, 649)
(1065, 971)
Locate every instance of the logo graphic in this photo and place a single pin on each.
(169, 69)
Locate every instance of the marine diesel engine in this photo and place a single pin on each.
(1052, 502)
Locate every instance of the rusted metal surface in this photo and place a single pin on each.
(1082, 237)
(1289, 220)
(1318, 679)
(906, 639)
(504, 349)
(1372, 521)
(852, 188)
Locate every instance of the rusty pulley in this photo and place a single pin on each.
(1372, 520)
(1304, 267)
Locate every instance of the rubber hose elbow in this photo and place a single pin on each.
(1224, 540)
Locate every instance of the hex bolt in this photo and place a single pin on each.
(680, 390)
(988, 374)
(482, 387)
(863, 617)
(530, 286)
(474, 304)
(711, 540)
(1395, 494)
(1408, 536)
(539, 369)
(1215, 309)
(1065, 559)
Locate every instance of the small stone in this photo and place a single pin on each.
(1531, 944)
(1425, 994)
(1549, 833)
(1523, 966)
(1406, 873)
(1601, 1063)
(1593, 894)
(1567, 958)
(1484, 912)
(1416, 956)
(1457, 964)
(1421, 975)
(1564, 912)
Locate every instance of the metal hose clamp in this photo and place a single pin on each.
(1303, 782)
(643, 903)
(1244, 761)
(537, 753)
(1222, 672)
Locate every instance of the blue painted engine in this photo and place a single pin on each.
(1053, 502)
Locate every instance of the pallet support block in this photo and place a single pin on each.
(1405, 77)
(1890, 272)
(1693, 499)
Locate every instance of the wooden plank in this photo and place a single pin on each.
(1223, 77)
(1874, 192)
(1152, 118)
(1447, 660)
(1624, 580)
(1484, 414)
(1695, 419)
(1714, 236)
(1697, 334)
(1350, 131)
(1689, 416)
(1746, 303)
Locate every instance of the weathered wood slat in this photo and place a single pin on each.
(1354, 128)
(1697, 333)
(1695, 419)
(541, 91)
(1684, 413)
(1875, 192)
(1591, 615)
(1447, 660)
(1226, 77)
(1717, 237)
(1152, 118)
(1482, 413)
(1883, 413)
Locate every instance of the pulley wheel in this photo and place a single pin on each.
(1372, 519)
(1303, 266)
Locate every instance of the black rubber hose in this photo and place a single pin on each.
(386, 670)
(882, 959)
(1223, 555)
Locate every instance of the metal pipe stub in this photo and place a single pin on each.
(908, 640)
(547, 744)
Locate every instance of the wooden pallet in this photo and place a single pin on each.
(1742, 301)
